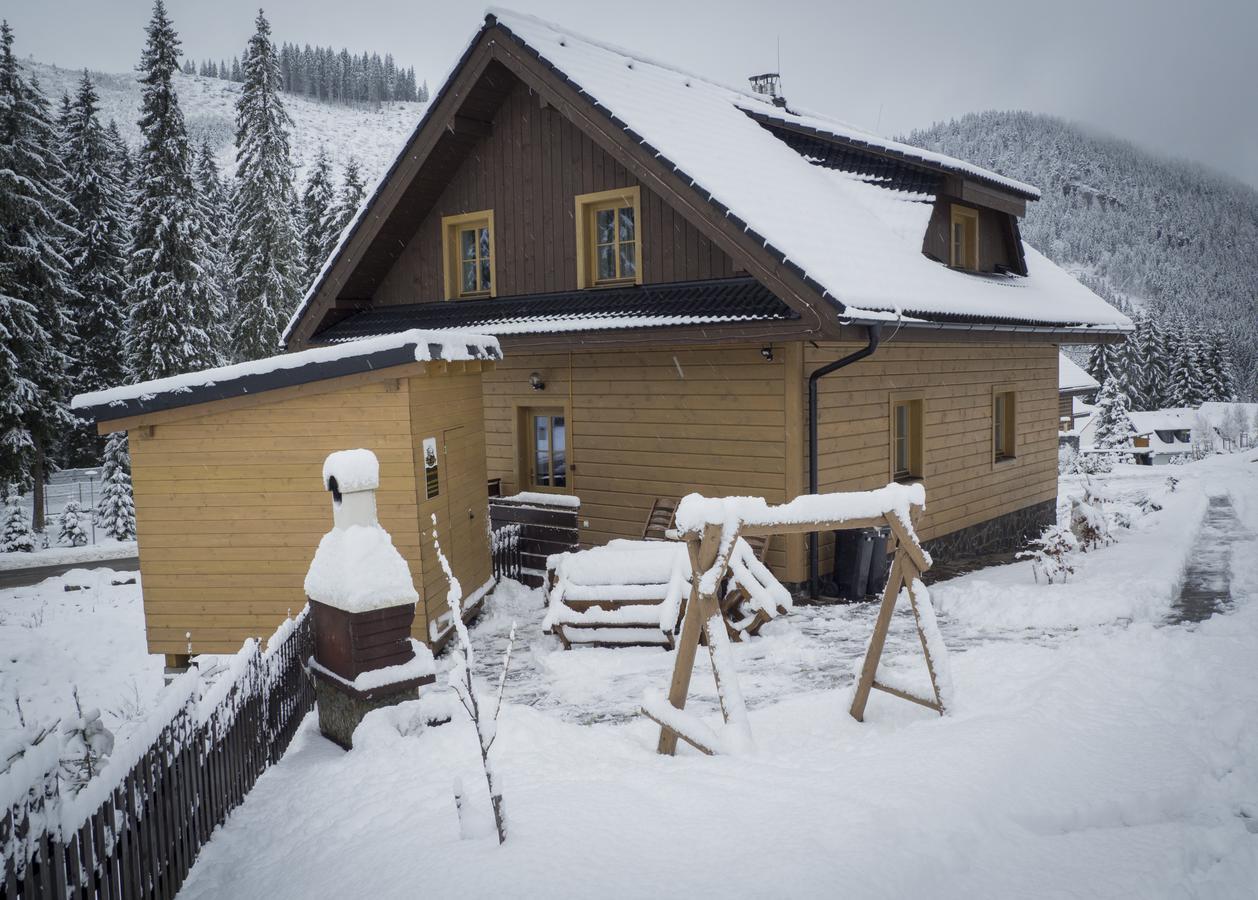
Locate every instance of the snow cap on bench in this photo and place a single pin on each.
(356, 567)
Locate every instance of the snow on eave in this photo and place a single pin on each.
(1072, 377)
(427, 346)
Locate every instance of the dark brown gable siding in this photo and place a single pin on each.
(528, 170)
(993, 235)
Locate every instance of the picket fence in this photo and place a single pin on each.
(135, 830)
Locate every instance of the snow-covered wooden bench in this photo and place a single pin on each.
(632, 593)
(712, 530)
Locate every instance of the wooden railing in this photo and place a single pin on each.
(504, 551)
(135, 830)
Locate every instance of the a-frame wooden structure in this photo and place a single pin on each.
(709, 550)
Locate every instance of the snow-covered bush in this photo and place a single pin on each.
(115, 511)
(85, 746)
(1088, 520)
(1171, 484)
(1091, 464)
(1051, 553)
(1067, 459)
(70, 525)
(17, 536)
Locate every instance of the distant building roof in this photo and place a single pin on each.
(1073, 378)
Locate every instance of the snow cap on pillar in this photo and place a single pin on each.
(357, 568)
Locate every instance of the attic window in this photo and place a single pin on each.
(964, 238)
(467, 243)
(609, 246)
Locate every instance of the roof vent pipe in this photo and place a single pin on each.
(874, 333)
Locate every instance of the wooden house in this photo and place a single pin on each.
(226, 468)
(704, 289)
(1074, 388)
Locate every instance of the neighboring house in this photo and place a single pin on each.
(1075, 387)
(671, 264)
(1163, 434)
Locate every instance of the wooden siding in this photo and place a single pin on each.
(955, 380)
(230, 508)
(449, 409)
(528, 171)
(644, 424)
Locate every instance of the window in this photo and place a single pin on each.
(964, 237)
(546, 444)
(906, 439)
(609, 245)
(467, 244)
(1004, 424)
(432, 472)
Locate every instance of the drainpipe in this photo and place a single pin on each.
(874, 331)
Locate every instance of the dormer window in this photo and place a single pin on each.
(468, 250)
(964, 238)
(609, 245)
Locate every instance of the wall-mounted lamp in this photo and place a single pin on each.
(767, 352)
(535, 382)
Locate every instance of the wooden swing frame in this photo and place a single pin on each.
(703, 615)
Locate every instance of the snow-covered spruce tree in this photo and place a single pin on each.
(169, 291)
(70, 525)
(1101, 362)
(1113, 428)
(348, 200)
(212, 197)
(1151, 338)
(36, 286)
(16, 536)
(115, 510)
(265, 253)
(97, 198)
(124, 167)
(1216, 373)
(317, 200)
(1186, 386)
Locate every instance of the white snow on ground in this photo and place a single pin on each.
(52, 640)
(1092, 750)
(107, 548)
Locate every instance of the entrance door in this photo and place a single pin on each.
(444, 490)
(461, 515)
(544, 450)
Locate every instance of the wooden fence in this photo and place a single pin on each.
(135, 830)
(544, 529)
(504, 551)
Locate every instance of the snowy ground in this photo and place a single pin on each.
(106, 549)
(1098, 746)
(53, 640)
(1095, 749)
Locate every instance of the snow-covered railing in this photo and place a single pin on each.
(134, 828)
(504, 550)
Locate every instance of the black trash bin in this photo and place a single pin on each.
(852, 553)
(879, 562)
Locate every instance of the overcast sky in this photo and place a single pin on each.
(1176, 77)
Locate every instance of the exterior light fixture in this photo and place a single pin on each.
(767, 352)
(536, 383)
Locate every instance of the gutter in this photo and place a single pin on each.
(874, 332)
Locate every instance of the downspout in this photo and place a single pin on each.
(875, 333)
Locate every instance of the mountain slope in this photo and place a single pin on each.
(372, 136)
(1169, 235)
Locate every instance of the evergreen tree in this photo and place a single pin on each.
(347, 202)
(1154, 360)
(317, 201)
(97, 198)
(169, 295)
(1113, 428)
(17, 536)
(115, 510)
(212, 199)
(1186, 382)
(1216, 368)
(36, 286)
(70, 525)
(124, 167)
(1101, 362)
(237, 74)
(266, 261)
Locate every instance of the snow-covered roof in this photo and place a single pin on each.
(285, 370)
(857, 243)
(1175, 419)
(1072, 377)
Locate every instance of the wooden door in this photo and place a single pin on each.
(461, 517)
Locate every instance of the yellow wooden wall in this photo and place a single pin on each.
(230, 505)
(723, 420)
(648, 423)
(448, 407)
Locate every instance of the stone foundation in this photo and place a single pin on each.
(341, 708)
(1003, 534)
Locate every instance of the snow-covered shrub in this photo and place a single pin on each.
(1050, 554)
(115, 511)
(70, 525)
(85, 746)
(1088, 521)
(1171, 484)
(1092, 464)
(1067, 459)
(17, 536)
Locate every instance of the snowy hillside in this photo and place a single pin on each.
(1169, 236)
(372, 136)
